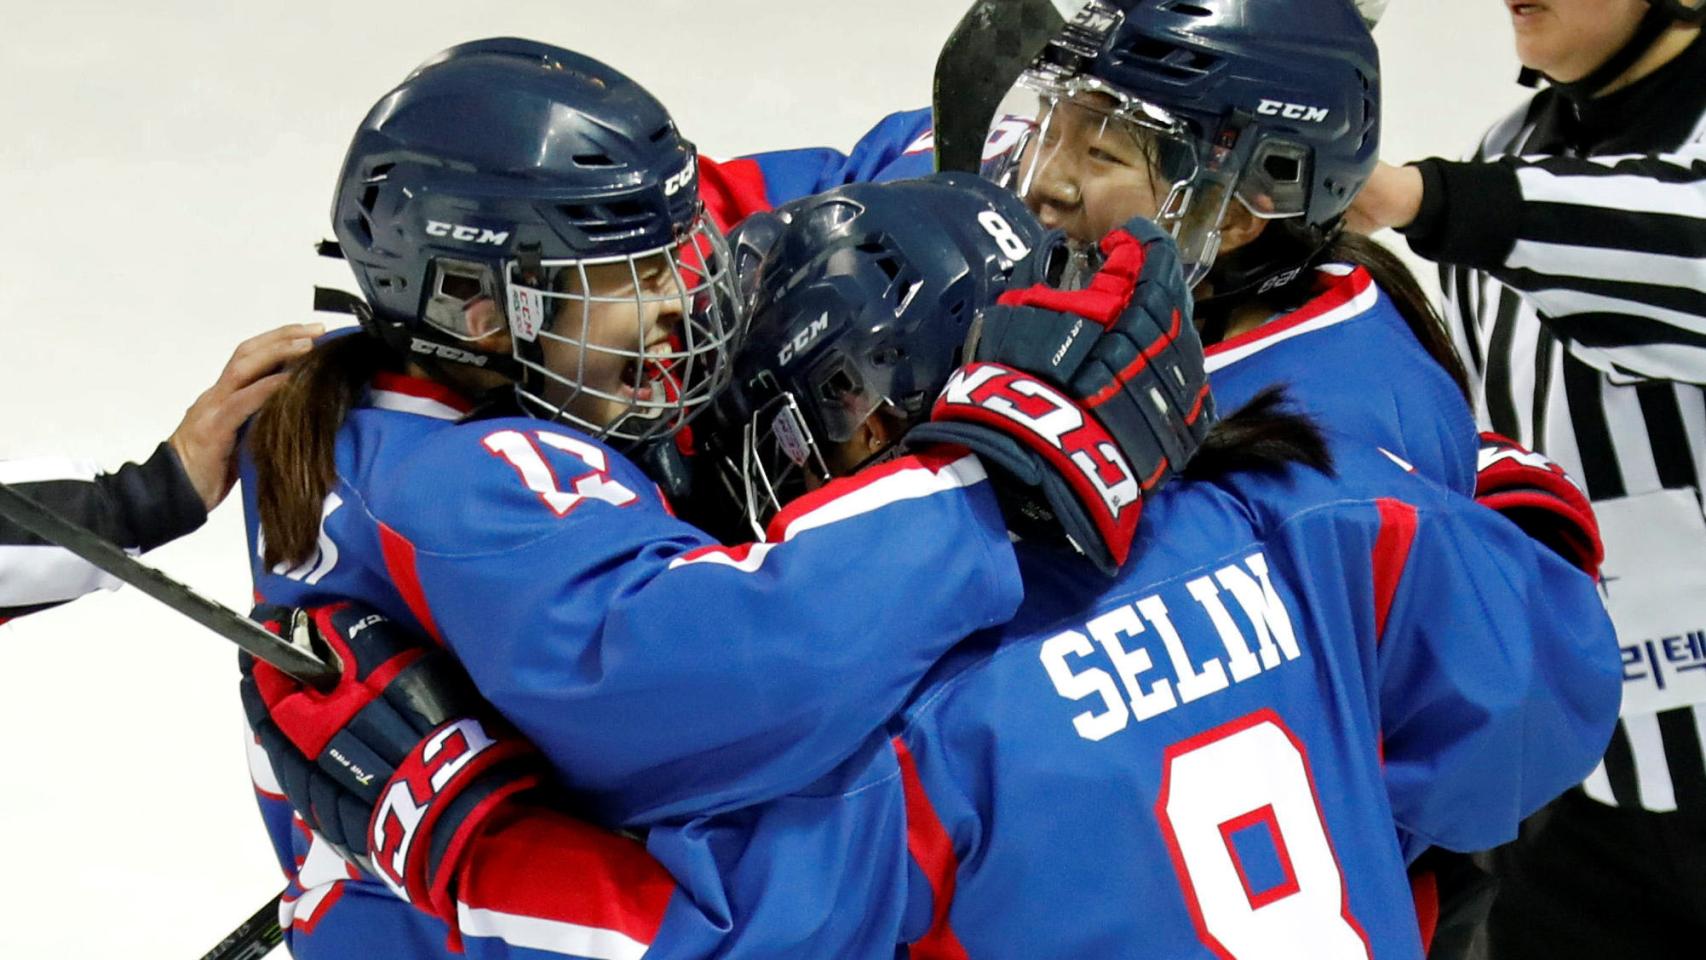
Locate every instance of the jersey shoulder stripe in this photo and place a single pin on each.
(1348, 293)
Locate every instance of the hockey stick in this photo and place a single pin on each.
(992, 44)
(257, 936)
(217, 617)
(254, 939)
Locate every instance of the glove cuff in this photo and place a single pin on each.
(1048, 424)
(424, 792)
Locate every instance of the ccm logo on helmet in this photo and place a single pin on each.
(673, 185)
(466, 234)
(443, 352)
(802, 340)
(1293, 111)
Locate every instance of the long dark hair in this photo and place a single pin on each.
(1394, 277)
(294, 439)
(1265, 435)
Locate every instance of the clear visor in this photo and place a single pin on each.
(627, 347)
(1086, 158)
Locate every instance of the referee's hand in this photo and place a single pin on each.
(1391, 198)
(206, 440)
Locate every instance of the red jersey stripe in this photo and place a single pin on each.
(545, 866)
(400, 564)
(1391, 550)
(933, 850)
(732, 190)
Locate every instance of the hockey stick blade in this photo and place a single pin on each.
(254, 939)
(238, 629)
(992, 44)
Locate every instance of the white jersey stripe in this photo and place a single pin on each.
(1688, 400)
(1621, 266)
(406, 403)
(1598, 786)
(1559, 302)
(910, 484)
(1634, 450)
(1356, 307)
(748, 564)
(556, 936)
(1663, 361)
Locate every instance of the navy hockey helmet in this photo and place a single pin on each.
(508, 185)
(1273, 104)
(862, 299)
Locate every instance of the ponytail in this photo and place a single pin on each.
(294, 441)
(1263, 436)
(1395, 278)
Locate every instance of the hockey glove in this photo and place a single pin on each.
(401, 763)
(1082, 401)
(1538, 496)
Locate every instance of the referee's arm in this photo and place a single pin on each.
(138, 507)
(1610, 250)
(141, 506)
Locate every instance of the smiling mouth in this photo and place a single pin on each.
(646, 379)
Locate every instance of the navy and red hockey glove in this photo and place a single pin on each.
(1083, 401)
(1538, 496)
(401, 763)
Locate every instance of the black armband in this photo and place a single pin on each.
(153, 502)
(1469, 215)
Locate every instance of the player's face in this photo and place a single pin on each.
(1569, 39)
(617, 319)
(1090, 173)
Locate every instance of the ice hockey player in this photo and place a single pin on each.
(1103, 127)
(1315, 665)
(394, 469)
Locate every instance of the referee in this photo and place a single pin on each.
(1572, 252)
(141, 506)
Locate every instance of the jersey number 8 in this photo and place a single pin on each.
(1253, 774)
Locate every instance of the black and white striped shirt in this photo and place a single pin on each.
(1574, 246)
(138, 507)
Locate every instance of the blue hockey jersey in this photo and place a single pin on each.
(1296, 686)
(662, 674)
(1348, 359)
(1234, 749)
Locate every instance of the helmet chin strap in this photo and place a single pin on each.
(1272, 264)
(1659, 18)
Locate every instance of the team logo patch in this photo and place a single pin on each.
(526, 312)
